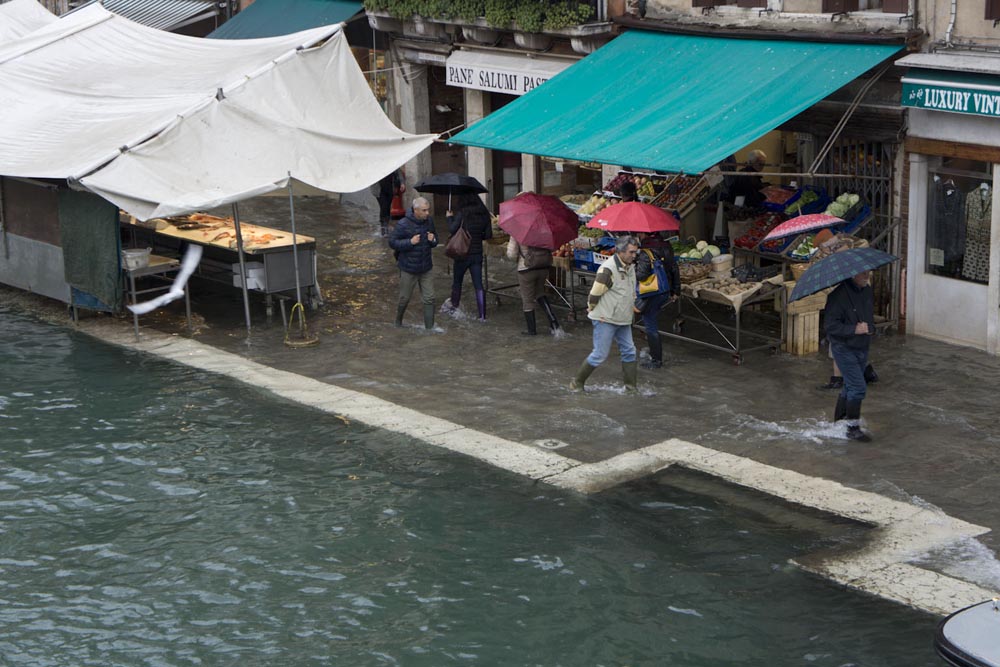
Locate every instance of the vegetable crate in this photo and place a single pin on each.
(816, 206)
(587, 260)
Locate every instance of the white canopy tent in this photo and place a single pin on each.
(20, 17)
(161, 124)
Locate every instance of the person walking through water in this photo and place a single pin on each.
(412, 239)
(389, 186)
(532, 272)
(609, 307)
(475, 218)
(849, 325)
(655, 249)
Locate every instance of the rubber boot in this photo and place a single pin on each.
(576, 384)
(529, 319)
(383, 227)
(836, 382)
(481, 304)
(547, 307)
(871, 377)
(854, 431)
(428, 316)
(456, 296)
(630, 370)
(655, 355)
(400, 311)
(840, 412)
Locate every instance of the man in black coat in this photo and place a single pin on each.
(850, 324)
(412, 239)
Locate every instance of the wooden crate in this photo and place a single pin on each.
(813, 303)
(803, 333)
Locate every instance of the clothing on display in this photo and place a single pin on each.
(947, 228)
(978, 207)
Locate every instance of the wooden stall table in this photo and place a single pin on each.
(270, 265)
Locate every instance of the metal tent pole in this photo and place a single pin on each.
(243, 263)
(295, 243)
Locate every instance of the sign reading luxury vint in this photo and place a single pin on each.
(500, 73)
(979, 102)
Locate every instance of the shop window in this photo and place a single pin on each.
(560, 177)
(993, 10)
(838, 6)
(960, 199)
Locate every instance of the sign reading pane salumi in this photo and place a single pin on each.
(967, 99)
(496, 80)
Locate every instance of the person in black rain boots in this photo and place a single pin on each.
(412, 239)
(532, 272)
(473, 215)
(850, 324)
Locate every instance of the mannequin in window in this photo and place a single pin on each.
(947, 226)
(978, 207)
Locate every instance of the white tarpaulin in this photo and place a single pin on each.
(79, 90)
(19, 17)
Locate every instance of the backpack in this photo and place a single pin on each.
(536, 258)
(657, 282)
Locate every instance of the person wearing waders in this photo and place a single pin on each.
(850, 324)
(609, 307)
(412, 239)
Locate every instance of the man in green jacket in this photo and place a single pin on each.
(609, 307)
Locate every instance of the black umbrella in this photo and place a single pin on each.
(450, 184)
(837, 268)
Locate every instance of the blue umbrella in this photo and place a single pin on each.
(837, 268)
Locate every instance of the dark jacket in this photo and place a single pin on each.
(748, 186)
(477, 222)
(413, 258)
(847, 305)
(665, 251)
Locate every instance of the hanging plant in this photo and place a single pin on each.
(499, 13)
(529, 16)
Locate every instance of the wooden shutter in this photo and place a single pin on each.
(992, 10)
(833, 6)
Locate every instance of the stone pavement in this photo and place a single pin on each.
(927, 482)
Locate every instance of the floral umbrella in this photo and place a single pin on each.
(803, 224)
(634, 217)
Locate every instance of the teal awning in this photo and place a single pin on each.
(676, 103)
(269, 18)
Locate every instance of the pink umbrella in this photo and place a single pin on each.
(537, 220)
(803, 224)
(634, 217)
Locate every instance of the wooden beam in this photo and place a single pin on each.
(952, 149)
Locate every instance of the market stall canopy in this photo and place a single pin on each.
(676, 103)
(20, 17)
(269, 18)
(162, 124)
(164, 14)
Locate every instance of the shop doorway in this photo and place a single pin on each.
(447, 112)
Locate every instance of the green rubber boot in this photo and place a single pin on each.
(428, 315)
(576, 384)
(400, 311)
(630, 369)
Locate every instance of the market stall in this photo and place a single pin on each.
(270, 265)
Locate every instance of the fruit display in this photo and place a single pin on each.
(574, 199)
(595, 204)
(590, 232)
(775, 194)
(677, 190)
(646, 185)
(758, 229)
(565, 250)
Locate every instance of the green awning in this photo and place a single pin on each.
(269, 18)
(676, 103)
(959, 92)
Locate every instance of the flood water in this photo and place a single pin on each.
(155, 515)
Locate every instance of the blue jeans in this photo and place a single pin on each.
(474, 265)
(604, 333)
(651, 321)
(851, 362)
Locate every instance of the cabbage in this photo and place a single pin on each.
(714, 249)
(694, 254)
(837, 209)
(844, 198)
(701, 245)
(854, 199)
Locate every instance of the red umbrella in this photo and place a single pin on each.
(803, 224)
(542, 221)
(634, 217)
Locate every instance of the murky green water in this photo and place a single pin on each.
(154, 515)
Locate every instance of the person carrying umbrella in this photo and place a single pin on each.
(473, 215)
(850, 324)
(609, 307)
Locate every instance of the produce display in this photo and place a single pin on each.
(807, 197)
(701, 251)
(775, 194)
(805, 249)
(748, 273)
(565, 250)
(595, 204)
(842, 204)
(676, 190)
(727, 286)
(758, 229)
(646, 185)
(574, 199)
(691, 272)
(590, 232)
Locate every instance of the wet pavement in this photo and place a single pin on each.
(932, 412)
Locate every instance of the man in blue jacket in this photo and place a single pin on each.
(850, 324)
(412, 239)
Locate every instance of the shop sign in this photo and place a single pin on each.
(495, 80)
(957, 99)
